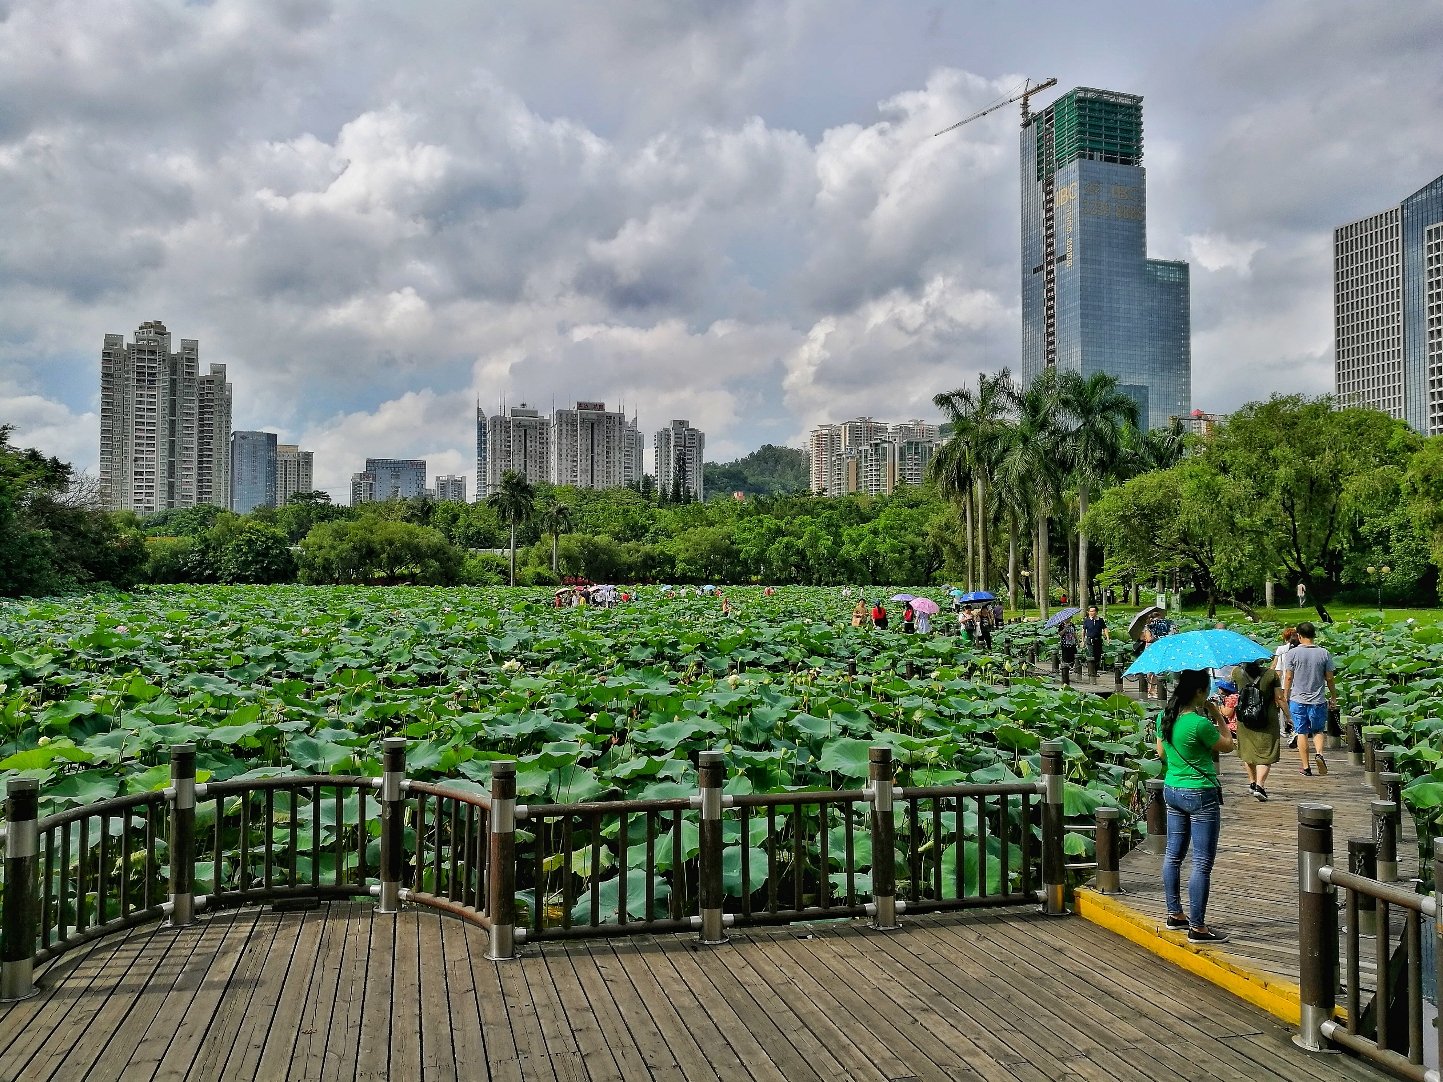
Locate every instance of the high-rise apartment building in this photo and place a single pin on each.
(518, 440)
(1091, 299)
(824, 447)
(481, 456)
(389, 479)
(633, 449)
(450, 488)
(252, 471)
(679, 450)
(295, 471)
(164, 427)
(1388, 310)
(589, 446)
(867, 455)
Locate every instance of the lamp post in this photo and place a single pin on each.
(1378, 573)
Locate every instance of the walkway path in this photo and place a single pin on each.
(337, 993)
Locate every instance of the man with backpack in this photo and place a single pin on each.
(1309, 689)
(1258, 713)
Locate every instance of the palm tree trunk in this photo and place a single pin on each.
(981, 533)
(1082, 590)
(967, 528)
(1044, 588)
(555, 538)
(513, 554)
(1012, 560)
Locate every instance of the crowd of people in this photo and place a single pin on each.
(976, 621)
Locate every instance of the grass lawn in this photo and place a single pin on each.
(1340, 613)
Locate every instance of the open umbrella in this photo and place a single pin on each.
(956, 593)
(1141, 620)
(903, 597)
(924, 604)
(1061, 616)
(1213, 648)
(979, 595)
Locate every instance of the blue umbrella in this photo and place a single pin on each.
(1210, 649)
(979, 595)
(955, 592)
(1061, 616)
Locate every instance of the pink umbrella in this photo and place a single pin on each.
(924, 604)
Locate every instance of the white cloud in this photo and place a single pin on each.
(1215, 252)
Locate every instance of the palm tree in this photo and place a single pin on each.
(1097, 414)
(964, 465)
(514, 503)
(1155, 448)
(556, 520)
(1028, 471)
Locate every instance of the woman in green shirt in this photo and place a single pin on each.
(1187, 742)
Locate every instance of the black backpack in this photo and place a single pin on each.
(1252, 708)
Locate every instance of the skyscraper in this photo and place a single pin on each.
(588, 446)
(1388, 310)
(389, 479)
(633, 448)
(518, 440)
(164, 427)
(450, 488)
(1091, 299)
(252, 471)
(679, 451)
(295, 470)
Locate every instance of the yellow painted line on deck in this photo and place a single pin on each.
(1273, 994)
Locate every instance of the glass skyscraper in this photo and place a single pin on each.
(1091, 299)
(252, 471)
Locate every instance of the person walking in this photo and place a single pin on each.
(1260, 705)
(1309, 690)
(1289, 640)
(879, 617)
(909, 619)
(1067, 641)
(859, 613)
(1187, 743)
(924, 622)
(1302, 594)
(1094, 631)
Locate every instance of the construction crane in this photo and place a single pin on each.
(1028, 89)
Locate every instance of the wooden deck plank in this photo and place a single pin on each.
(439, 1061)
(264, 1048)
(315, 1019)
(687, 1055)
(526, 1026)
(502, 1055)
(373, 1051)
(468, 1040)
(619, 1038)
(234, 1008)
(559, 988)
(343, 1042)
(560, 1040)
(406, 997)
(658, 1055)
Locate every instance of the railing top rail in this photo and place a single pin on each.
(1391, 893)
(440, 792)
(286, 781)
(797, 796)
(1001, 788)
(112, 806)
(601, 807)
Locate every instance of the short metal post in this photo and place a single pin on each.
(1392, 785)
(911, 669)
(1109, 871)
(1317, 927)
(1117, 679)
(1066, 676)
(1383, 763)
(1385, 834)
(1354, 731)
(21, 910)
(1363, 860)
(1162, 689)
(1054, 870)
(1370, 763)
(1438, 935)
(182, 835)
(884, 846)
(1156, 818)
(501, 863)
(1142, 685)
(851, 666)
(1056, 662)
(710, 777)
(393, 822)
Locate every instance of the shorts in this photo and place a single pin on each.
(1309, 718)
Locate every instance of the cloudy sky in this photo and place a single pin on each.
(732, 211)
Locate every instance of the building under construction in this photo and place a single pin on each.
(1091, 299)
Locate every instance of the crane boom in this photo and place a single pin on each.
(1028, 90)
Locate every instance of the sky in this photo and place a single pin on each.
(730, 211)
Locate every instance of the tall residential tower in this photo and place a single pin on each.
(1091, 299)
(679, 451)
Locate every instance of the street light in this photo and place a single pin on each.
(1378, 573)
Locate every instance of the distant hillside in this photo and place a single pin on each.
(768, 471)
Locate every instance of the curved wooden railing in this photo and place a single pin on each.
(531, 872)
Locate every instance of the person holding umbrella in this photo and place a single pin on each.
(1188, 742)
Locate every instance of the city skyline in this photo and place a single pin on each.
(376, 216)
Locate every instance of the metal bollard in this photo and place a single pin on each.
(1054, 870)
(1056, 662)
(1363, 860)
(1392, 786)
(1317, 927)
(851, 666)
(182, 835)
(501, 863)
(1385, 835)
(1117, 679)
(1156, 818)
(1370, 763)
(883, 909)
(21, 910)
(1109, 871)
(711, 776)
(1383, 764)
(1354, 731)
(393, 823)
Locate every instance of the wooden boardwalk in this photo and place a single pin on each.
(339, 993)
(1255, 879)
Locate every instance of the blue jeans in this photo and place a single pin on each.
(1193, 816)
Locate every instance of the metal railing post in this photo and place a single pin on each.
(1109, 869)
(1385, 835)
(1156, 818)
(22, 907)
(1117, 685)
(1383, 764)
(1363, 860)
(1370, 763)
(501, 863)
(1056, 662)
(1354, 731)
(182, 835)
(393, 822)
(884, 846)
(710, 777)
(1054, 866)
(1317, 927)
(1392, 785)
(1438, 935)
